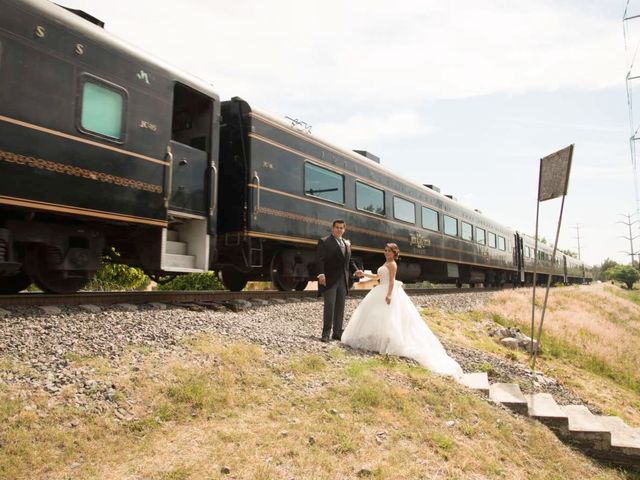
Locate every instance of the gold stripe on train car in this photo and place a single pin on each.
(66, 169)
(355, 247)
(81, 140)
(373, 183)
(350, 227)
(416, 230)
(54, 207)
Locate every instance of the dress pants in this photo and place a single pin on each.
(333, 313)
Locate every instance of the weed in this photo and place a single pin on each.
(308, 363)
(180, 473)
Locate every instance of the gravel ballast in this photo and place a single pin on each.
(42, 347)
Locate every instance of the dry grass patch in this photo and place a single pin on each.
(308, 416)
(589, 341)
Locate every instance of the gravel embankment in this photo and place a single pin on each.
(48, 343)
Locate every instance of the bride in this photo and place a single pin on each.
(386, 321)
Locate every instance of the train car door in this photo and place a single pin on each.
(518, 257)
(190, 182)
(191, 141)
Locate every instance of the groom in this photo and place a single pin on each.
(334, 263)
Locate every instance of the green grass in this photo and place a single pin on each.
(631, 295)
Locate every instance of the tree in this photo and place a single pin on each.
(625, 274)
(606, 265)
(569, 253)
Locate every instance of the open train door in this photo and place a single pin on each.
(191, 180)
(518, 258)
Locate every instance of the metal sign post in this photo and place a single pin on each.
(552, 183)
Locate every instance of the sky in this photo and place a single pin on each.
(467, 95)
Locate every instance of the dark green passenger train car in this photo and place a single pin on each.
(100, 146)
(290, 185)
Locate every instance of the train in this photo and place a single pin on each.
(104, 147)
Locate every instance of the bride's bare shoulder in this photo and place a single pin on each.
(392, 266)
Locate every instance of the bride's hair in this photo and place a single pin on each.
(394, 248)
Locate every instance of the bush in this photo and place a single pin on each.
(193, 281)
(116, 276)
(625, 274)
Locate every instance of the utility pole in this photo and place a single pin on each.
(577, 237)
(630, 20)
(631, 238)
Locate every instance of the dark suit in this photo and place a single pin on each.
(335, 266)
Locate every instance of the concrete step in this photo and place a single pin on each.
(179, 261)
(172, 235)
(622, 435)
(585, 428)
(476, 381)
(544, 408)
(509, 395)
(176, 248)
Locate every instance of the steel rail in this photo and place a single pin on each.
(112, 298)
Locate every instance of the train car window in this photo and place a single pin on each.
(466, 231)
(404, 210)
(369, 199)
(481, 236)
(322, 183)
(102, 109)
(450, 226)
(501, 243)
(430, 219)
(491, 239)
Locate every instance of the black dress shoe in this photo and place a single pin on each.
(324, 339)
(337, 336)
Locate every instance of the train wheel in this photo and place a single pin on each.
(233, 280)
(39, 261)
(458, 284)
(14, 284)
(281, 282)
(300, 286)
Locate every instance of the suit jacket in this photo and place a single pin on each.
(332, 263)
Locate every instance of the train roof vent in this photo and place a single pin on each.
(368, 155)
(432, 187)
(477, 211)
(85, 15)
(452, 197)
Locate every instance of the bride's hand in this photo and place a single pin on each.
(388, 299)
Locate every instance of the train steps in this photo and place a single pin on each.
(607, 438)
(176, 257)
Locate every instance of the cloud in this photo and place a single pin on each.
(375, 50)
(360, 131)
(602, 172)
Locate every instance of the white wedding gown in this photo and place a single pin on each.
(396, 329)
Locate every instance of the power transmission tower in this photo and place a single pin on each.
(631, 237)
(631, 30)
(577, 237)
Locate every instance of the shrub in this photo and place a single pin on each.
(193, 281)
(625, 274)
(115, 276)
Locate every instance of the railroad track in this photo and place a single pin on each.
(197, 297)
